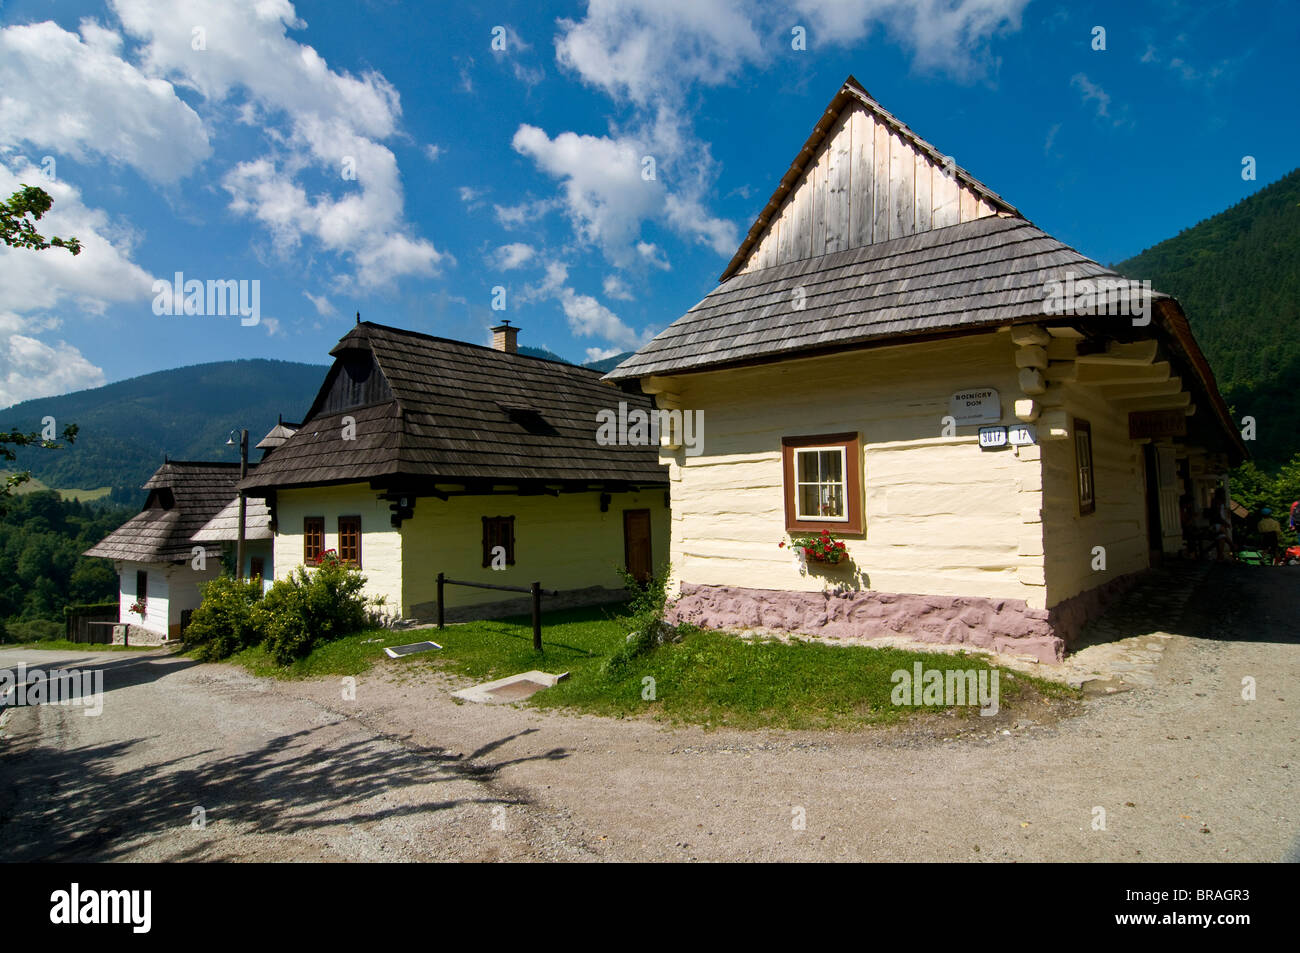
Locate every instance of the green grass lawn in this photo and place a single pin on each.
(708, 678)
(34, 485)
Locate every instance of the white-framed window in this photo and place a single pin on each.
(821, 490)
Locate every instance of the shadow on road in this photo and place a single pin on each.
(1206, 600)
(80, 803)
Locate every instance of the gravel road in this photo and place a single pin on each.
(1184, 770)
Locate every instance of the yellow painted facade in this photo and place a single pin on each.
(563, 542)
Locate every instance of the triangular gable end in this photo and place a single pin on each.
(355, 380)
(862, 177)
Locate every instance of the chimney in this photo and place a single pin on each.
(503, 338)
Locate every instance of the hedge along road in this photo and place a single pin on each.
(1184, 770)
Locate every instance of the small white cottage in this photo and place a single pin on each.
(159, 563)
(176, 542)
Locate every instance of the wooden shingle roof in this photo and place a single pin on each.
(987, 272)
(183, 496)
(224, 527)
(455, 411)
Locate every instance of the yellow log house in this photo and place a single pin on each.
(1001, 432)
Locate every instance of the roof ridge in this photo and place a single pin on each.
(480, 347)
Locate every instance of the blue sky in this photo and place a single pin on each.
(215, 138)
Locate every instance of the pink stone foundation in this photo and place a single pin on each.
(999, 625)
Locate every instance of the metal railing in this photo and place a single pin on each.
(535, 590)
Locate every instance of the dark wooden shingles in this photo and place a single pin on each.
(199, 491)
(994, 268)
(453, 424)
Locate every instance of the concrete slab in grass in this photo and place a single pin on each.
(414, 648)
(512, 689)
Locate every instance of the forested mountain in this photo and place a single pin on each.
(41, 566)
(187, 413)
(1237, 276)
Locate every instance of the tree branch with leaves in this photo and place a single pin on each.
(18, 231)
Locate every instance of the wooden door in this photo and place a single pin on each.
(636, 543)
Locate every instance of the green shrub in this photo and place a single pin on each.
(308, 608)
(224, 623)
(643, 621)
(33, 630)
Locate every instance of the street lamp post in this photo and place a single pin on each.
(243, 500)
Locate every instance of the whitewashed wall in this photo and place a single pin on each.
(172, 589)
(942, 515)
(381, 544)
(156, 605)
(1119, 522)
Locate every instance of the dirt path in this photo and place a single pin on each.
(1184, 769)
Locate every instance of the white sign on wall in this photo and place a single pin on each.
(978, 405)
(993, 437)
(1022, 435)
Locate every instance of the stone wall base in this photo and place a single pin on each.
(1069, 616)
(999, 625)
(137, 634)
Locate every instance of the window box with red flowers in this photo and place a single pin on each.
(326, 557)
(819, 549)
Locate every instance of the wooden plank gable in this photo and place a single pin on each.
(867, 181)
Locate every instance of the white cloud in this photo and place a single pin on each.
(102, 274)
(1051, 138)
(336, 122)
(525, 213)
(949, 36)
(647, 50)
(39, 283)
(601, 353)
(76, 96)
(514, 255)
(433, 152)
(615, 287)
(30, 368)
(608, 196)
(470, 195)
(1186, 71)
(322, 304)
(1091, 92)
(586, 316)
(589, 318)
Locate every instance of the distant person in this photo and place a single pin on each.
(1270, 532)
(1222, 522)
(1294, 522)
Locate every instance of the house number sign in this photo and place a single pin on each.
(978, 405)
(991, 438)
(1021, 436)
